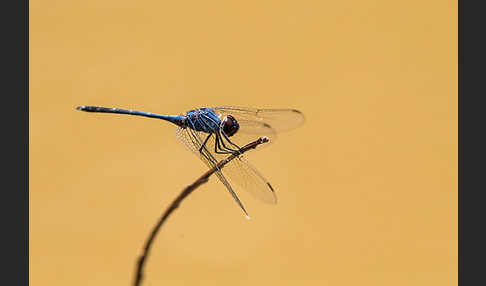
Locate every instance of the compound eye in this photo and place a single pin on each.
(230, 125)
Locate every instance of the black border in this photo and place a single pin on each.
(15, 122)
(471, 142)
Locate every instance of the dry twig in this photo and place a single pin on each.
(175, 204)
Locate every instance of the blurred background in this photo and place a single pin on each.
(367, 187)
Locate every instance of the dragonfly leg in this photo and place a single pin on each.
(203, 145)
(217, 145)
(229, 140)
(237, 150)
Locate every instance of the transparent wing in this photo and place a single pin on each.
(238, 171)
(250, 130)
(278, 119)
(193, 141)
(242, 173)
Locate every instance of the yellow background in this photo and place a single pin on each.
(367, 187)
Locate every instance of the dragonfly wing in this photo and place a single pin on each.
(250, 130)
(210, 163)
(278, 119)
(242, 173)
(188, 140)
(193, 140)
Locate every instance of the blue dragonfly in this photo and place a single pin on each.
(212, 133)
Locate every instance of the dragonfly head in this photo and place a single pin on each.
(229, 125)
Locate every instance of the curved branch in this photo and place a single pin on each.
(175, 204)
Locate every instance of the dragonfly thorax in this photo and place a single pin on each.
(203, 120)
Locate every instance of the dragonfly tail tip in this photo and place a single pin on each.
(247, 217)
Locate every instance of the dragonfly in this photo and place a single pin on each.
(213, 133)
